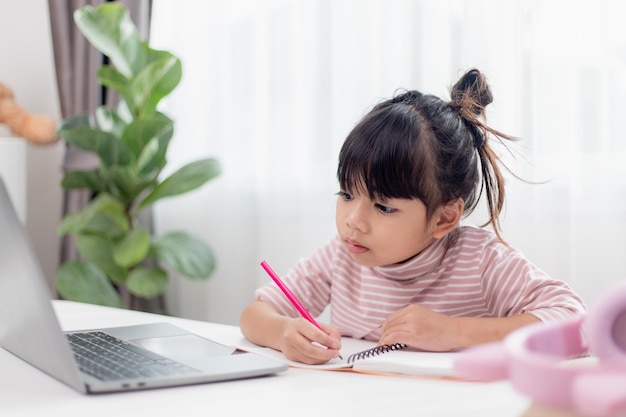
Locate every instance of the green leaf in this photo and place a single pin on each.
(133, 249)
(188, 178)
(108, 224)
(79, 120)
(147, 282)
(86, 283)
(154, 82)
(124, 183)
(141, 131)
(99, 251)
(90, 180)
(124, 112)
(103, 203)
(185, 253)
(110, 30)
(71, 223)
(109, 121)
(147, 158)
(110, 150)
(112, 78)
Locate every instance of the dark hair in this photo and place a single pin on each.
(417, 145)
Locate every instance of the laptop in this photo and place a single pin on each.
(146, 356)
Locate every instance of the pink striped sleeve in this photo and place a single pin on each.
(512, 286)
(308, 280)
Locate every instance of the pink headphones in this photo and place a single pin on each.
(532, 359)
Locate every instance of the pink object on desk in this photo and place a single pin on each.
(533, 358)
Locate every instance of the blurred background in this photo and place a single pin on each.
(271, 89)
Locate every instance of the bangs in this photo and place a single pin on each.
(383, 156)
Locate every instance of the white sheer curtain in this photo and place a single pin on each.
(271, 89)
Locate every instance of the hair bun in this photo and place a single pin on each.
(472, 92)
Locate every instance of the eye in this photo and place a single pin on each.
(384, 209)
(345, 196)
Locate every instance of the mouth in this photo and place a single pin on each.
(354, 247)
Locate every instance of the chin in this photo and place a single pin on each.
(364, 261)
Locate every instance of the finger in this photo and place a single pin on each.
(313, 334)
(326, 342)
(314, 353)
(316, 344)
(395, 335)
(332, 338)
(396, 319)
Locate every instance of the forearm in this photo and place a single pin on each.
(471, 331)
(262, 324)
(425, 329)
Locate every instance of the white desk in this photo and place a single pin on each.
(25, 391)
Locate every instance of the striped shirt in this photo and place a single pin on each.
(478, 277)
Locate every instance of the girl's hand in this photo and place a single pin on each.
(421, 328)
(424, 329)
(301, 341)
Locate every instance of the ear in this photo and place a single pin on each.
(447, 217)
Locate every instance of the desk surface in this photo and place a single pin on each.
(25, 391)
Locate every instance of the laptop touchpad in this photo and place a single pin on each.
(188, 349)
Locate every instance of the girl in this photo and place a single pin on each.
(402, 269)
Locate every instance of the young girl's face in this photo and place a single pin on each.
(382, 232)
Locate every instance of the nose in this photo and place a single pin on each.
(356, 216)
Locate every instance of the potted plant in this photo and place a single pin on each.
(131, 143)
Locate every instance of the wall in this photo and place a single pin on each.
(26, 66)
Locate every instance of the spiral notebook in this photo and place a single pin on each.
(365, 356)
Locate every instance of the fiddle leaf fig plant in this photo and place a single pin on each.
(131, 143)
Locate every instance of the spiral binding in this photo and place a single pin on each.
(375, 351)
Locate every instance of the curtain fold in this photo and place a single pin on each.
(76, 63)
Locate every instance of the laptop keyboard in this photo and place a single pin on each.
(109, 358)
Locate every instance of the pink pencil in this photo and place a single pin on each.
(292, 298)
